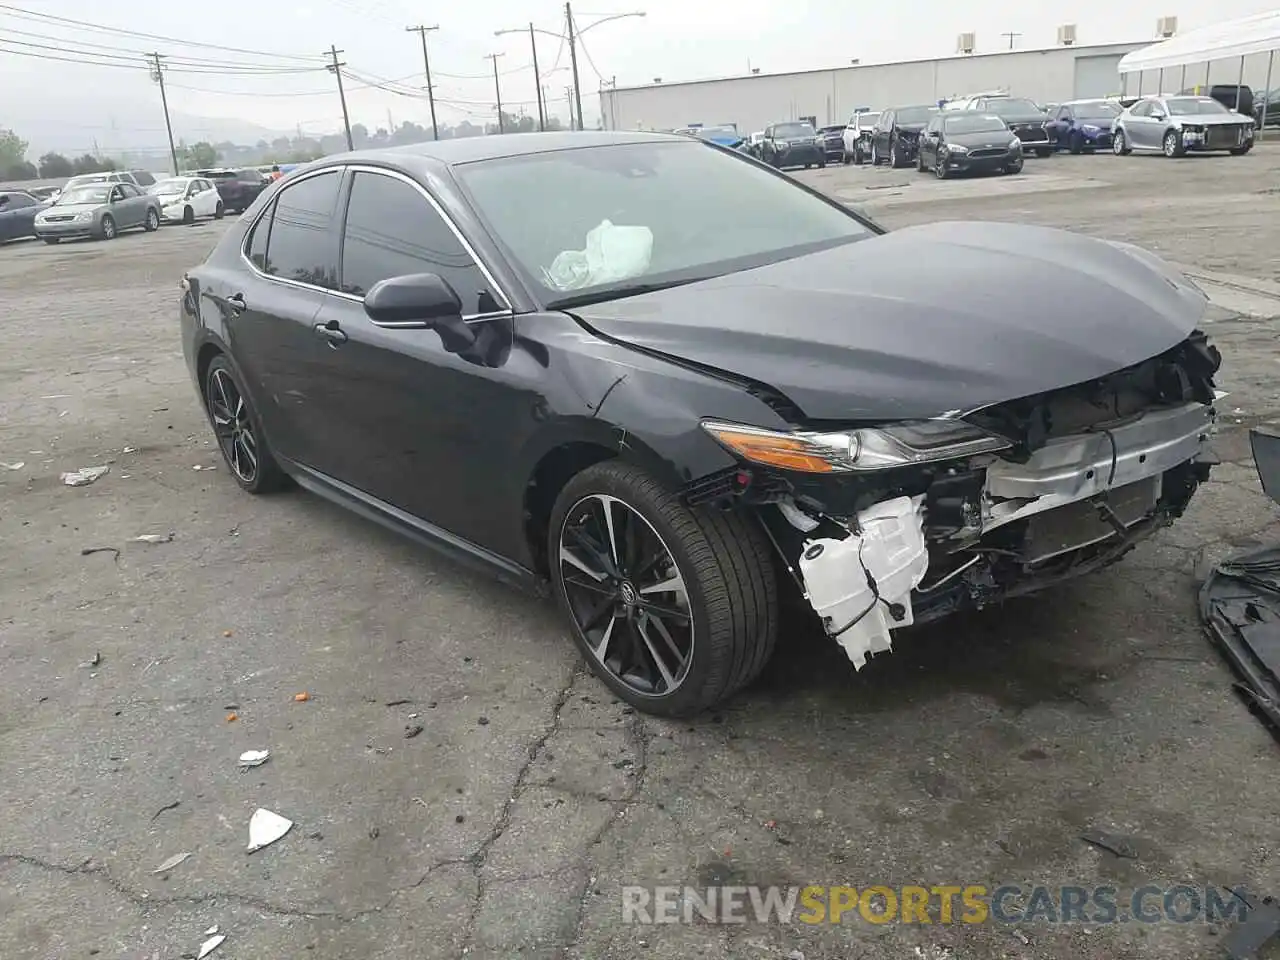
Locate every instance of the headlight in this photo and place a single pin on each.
(1089, 128)
(1015, 144)
(956, 148)
(870, 448)
(84, 215)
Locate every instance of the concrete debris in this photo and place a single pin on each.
(265, 828)
(84, 476)
(172, 862)
(254, 758)
(210, 945)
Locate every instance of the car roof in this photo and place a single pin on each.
(471, 149)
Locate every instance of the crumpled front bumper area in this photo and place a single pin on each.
(1075, 504)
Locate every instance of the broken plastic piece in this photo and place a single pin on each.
(797, 517)
(254, 758)
(210, 945)
(265, 828)
(302, 697)
(154, 538)
(211, 931)
(861, 586)
(13, 466)
(84, 476)
(172, 862)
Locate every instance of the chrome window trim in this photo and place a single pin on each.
(508, 311)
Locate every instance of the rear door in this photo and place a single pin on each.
(17, 211)
(135, 202)
(293, 250)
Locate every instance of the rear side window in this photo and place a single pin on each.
(392, 231)
(299, 247)
(256, 247)
(143, 178)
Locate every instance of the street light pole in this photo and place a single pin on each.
(573, 59)
(157, 74)
(537, 80)
(422, 31)
(497, 88)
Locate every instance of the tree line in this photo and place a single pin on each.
(14, 164)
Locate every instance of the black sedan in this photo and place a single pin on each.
(968, 143)
(237, 188)
(18, 214)
(581, 361)
(792, 144)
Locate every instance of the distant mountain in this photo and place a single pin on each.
(114, 124)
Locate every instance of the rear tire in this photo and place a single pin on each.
(266, 475)
(727, 575)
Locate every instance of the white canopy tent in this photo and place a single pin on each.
(1229, 40)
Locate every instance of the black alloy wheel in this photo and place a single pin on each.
(238, 432)
(674, 609)
(940, 167)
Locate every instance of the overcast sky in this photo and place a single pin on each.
(676, 40)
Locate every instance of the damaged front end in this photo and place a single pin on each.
(885, 526)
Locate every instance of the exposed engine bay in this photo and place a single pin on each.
(1040, 490)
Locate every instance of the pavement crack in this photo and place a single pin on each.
(477, 858)
(144, 901)
(638, 736)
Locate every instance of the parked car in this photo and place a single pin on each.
(792, 144)
(139, 178)
(833, 143)
(18, 211)
(968, 142)
(184, 199)
(1024, 117)
(857, 136)
(43, 193)
(238, 188)
(752, 145)
(1239, 98)
(1270, 102)
(1177, 125)
(1083, 126)
(724, 134)
(97, 210)
(745, 393)
(897, 133)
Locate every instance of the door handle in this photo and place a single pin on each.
(236, 303)
(331, 332)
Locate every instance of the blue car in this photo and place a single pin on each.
(1083, 126)
(723, 134)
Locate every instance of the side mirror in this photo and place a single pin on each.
(416, 299)
(1157, 115)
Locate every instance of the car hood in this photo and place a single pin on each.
(58, 208)
(986, 138)
(921, 322)
(1021, 118)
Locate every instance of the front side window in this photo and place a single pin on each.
(588, 223)
(393, 231)
(299, 247)
(129, 190)
(1142, 109)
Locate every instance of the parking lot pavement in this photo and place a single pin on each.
(977, 753)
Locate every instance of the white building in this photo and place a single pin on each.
(752, 102)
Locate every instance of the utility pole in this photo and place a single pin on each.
(422, 31)
(573, 58)
(1012, 37)
(157, 74)
(336, 69)
(537, 80)
(568, 95)
(497, 88)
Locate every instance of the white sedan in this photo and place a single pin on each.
(183, 199)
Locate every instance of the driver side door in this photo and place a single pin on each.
(131, 207)
(929, 141)
(406, 420)
(1139, 126)
(883, 134)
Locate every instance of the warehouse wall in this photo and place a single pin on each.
(832, 95)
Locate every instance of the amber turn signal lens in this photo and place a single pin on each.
(783, 452)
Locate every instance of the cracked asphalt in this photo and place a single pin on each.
(976, 753)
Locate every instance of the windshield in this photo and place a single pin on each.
(721, 130)
(1012, 107)
(1182, 106)
(586, 224)
(794, 130)
(85, 193)
(85, 178)
(978, 124)
(920, 115)
(1096, 110)
(168, 187)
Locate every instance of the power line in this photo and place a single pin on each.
(116, 49)
(277, 93)
(104, 59)
(101, 28)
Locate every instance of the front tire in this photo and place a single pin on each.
(152, 223)
(940, 167)
(219, 211)
(894, 160)
(1240, 151)
(875, 156)
(1076, 143)
(1043, 152)
(238, 430)
(107, 231)
(1120, 145)
(51, 240)
(1172, 145)
(1014, 167)
(674, 608)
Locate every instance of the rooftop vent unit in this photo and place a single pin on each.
(1067, 35)
(964, 43)
(1166, 27)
